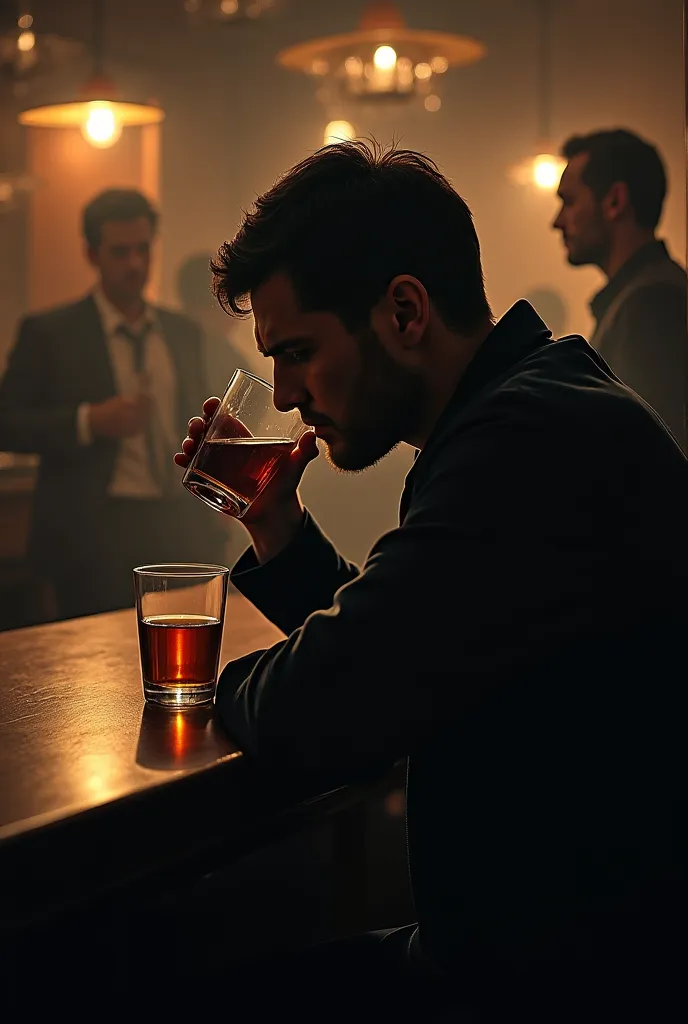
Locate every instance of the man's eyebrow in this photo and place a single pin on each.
(280, 346)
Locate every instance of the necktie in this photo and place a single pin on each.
(154, 447)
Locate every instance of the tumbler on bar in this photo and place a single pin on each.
(245, 442)
(180, 609)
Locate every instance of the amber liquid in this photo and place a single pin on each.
(180, 651)
(231, 471)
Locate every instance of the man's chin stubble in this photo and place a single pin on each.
(350, 463)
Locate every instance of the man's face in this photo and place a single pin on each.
(361, 402)
(584, 229)
(123, 257)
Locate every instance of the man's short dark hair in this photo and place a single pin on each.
(195, 281)
(620, 155)
(345, 222)
(116, 204)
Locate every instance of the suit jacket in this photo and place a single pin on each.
(642, 332)
(60, 359)
(520, 639)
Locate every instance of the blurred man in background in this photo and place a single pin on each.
(612, 192)
(99, 389)
(194, 290)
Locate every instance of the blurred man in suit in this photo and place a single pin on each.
(194, 289)
(612, 192)
(100, 388)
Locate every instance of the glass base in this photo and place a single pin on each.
(177, 698)
(222, 499)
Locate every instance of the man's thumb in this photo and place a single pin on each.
(307, 449)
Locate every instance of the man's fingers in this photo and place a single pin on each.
(210, 405)
(196, 427)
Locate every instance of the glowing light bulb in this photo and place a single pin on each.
(547, 171)
(384, 58)
(26, 41)
(338, 131)
(423, 71)
(102, 127)
(439, 65)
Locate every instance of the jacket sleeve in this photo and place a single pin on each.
(301, 579)
(30, 420)
(410, 642)
(655, 352)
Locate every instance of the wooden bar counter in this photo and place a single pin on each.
(99, 793)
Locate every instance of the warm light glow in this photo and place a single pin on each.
(423, 71)
(25, 21)
(432, 103)
(384, 58)
(101, 128)
(338, 131)
(320, 67)
(405, 71)
(547, 171)
(179, 738)
(26, 41)
(229, 7)
(353, 66)
(439, 65)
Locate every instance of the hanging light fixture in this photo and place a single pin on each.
(26, 52)
(543, 168)
(381, 61)
(228, 12)
(97, 110)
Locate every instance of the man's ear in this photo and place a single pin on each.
(401, 317)
(617, 201)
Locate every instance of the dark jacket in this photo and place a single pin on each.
(520, 639)
(60, 359)
(642, 332)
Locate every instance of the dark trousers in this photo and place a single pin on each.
(127, 532)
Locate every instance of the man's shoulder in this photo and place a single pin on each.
(662, 277)
(57, 317)
(564, 390)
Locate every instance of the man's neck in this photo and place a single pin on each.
(131, 309)
(623, 249)
(450, 360)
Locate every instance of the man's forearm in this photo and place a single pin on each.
(270, 538)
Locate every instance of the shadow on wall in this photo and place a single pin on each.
(550, 305)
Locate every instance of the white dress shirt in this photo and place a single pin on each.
(133, 475)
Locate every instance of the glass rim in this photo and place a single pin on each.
(253, 376)
(182, 570)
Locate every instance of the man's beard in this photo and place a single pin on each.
(385, 407)
(592, 253)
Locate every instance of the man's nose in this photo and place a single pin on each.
(136, 260)
(288, 392)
